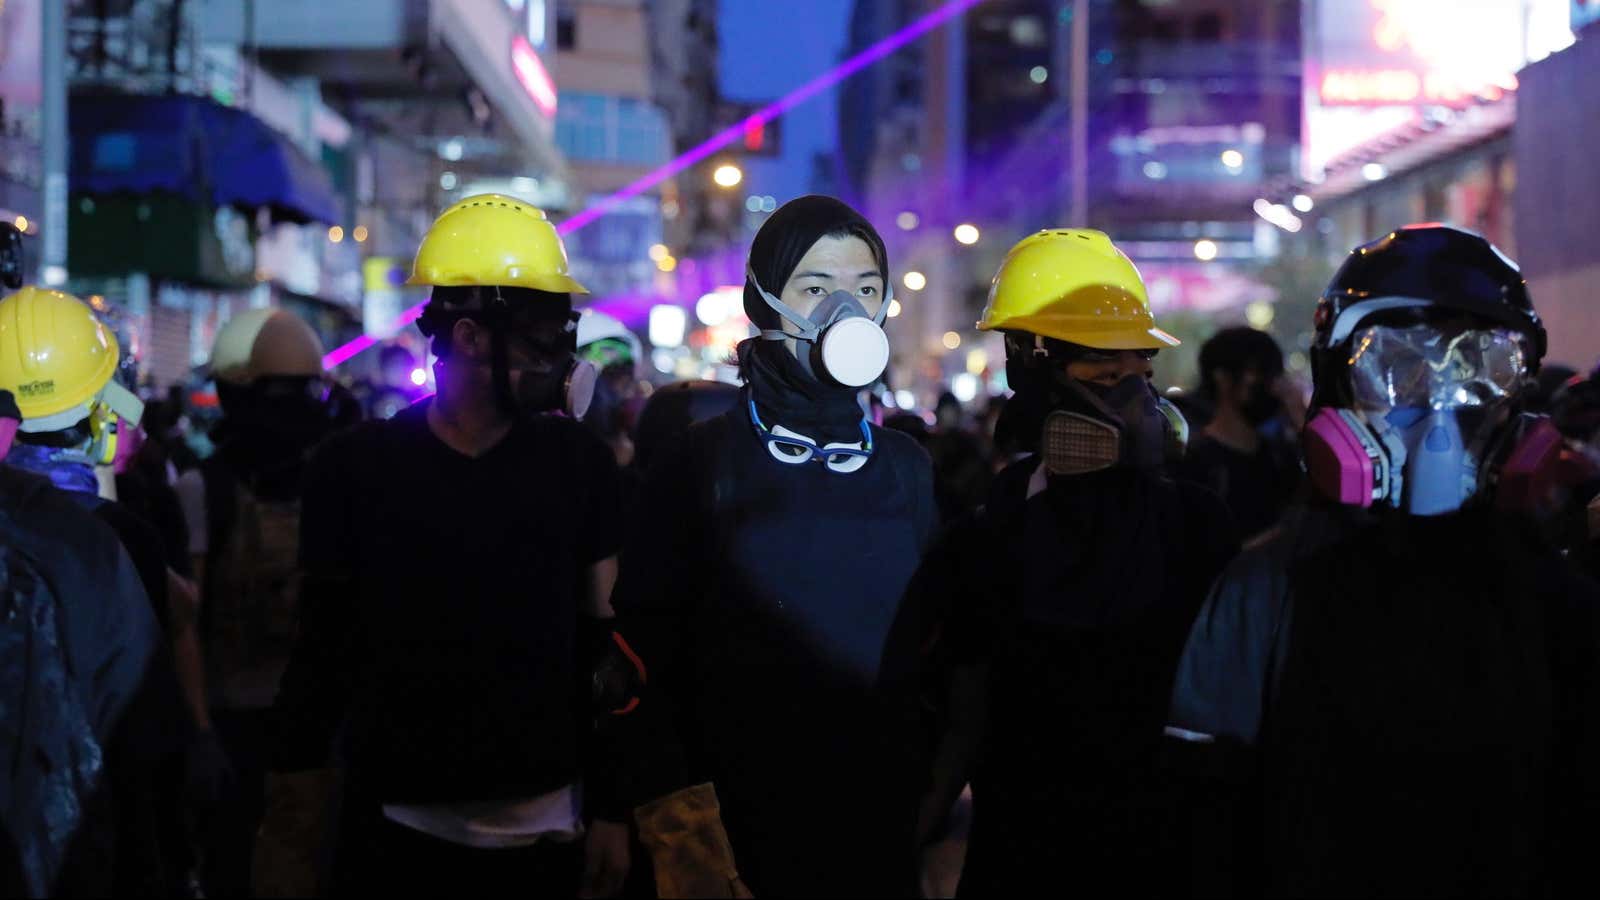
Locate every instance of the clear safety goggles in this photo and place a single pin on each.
(799, 450)
(1431, 366)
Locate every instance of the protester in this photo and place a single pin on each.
(1246, 453)
(241, 513)
(1064, 604)
(1397, 693)
(81, 743)
(762, 611)
(77, 421)
(457, 560)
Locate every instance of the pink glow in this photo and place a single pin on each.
(532, 75)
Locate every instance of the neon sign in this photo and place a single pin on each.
(532, 75)
(1386, 87)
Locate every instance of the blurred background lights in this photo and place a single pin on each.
(1303, 203)
(727, 175)
(977, 361)
(914, 280)
(1259, 314)
(419, 377)
(335, 234)
(1233, 159)
(967, 234)
(894, 308)
(1205, 250)
(658, 252)
(667, 263)
(360, 234)
(716, 307)
(951, 340)
(667, 325)
(447, 181)
(905, 399)
(908, 221)
(1155, 170)
(1038, 74)
(965, 387)
(1374, 171)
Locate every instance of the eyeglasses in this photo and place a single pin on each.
(799, 450)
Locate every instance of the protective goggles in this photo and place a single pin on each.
(1431, 366)
(797, 450)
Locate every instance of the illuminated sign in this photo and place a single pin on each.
(532, 75)
(1371, 65)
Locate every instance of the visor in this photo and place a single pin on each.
(1431, 366)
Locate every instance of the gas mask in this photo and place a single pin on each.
(1126, 424)
(1428, 430)
(565, 384)
(841, 343)
(1261, 405)
(568, 387)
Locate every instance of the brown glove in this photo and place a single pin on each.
(688, 845)
(296, 833)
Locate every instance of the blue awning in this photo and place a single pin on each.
(196, 147)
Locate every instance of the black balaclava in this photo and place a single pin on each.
(784, 393)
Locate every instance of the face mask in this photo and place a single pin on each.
(1131, 427)
(841, 343)
(1261, 405)
(567, 388)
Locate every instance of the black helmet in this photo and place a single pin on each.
(1418, 269)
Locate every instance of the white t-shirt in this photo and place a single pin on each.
(556, 816)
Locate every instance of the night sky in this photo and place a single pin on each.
(769, 49)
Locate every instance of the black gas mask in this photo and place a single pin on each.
(1089, 427)
(554, 379)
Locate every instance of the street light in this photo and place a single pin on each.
(915, 280)
(967, 234)
(727, 175)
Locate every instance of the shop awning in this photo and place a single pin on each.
(195, 147)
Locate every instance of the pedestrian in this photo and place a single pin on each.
(771, 748)
(457, 560)
(1247, 452)
(1064, 604)
(1397, 694)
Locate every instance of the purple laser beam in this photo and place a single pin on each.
(716, 142)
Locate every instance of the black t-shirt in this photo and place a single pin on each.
(1257, 487)
(440, 609)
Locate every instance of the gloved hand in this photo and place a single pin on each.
(684, 834)
(207, 773)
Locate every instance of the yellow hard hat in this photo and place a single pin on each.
(1073, 285)
(494, 240)
(55, 356)
(265, 341)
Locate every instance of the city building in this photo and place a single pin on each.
(1185, 109)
